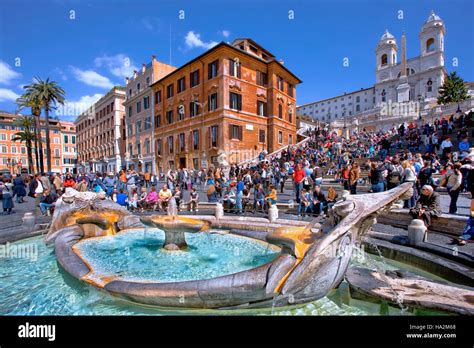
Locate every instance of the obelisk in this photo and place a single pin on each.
(403, 88)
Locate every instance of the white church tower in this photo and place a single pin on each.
(386, 54)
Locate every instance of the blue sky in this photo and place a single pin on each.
(88, 54)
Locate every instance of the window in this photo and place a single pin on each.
(357, 99)
(4, 149)
(429, 86)
(139, 148)
(157, 97)
(66, 139)
(14, 149)
(139, 106)
(130, 130)
(195, 139)
(357, 107)
(147, 146)
(430, 45)
(73, 139)
(280, 83)
(181, 84)
(235, 132)
(158, 147)
(194, 108)
(181, 140)
(290, 139)
(129, 111)
(147, 81)
(56, 152)
(130, 92)
(383, 95)
(290, 90)
(169, 91)
(130, 149)
(235, 101)
(234, 68)
(280, 111)
(169, 116)
(158, 121)
(147, 122)
(261, 108)
(212, 69)
(180, 112)
(213, 134)
(383, 60)
(138, 127)
(261, 135)
(290, 115)
(262, 79)
(146, 102)
(194, 78)
(138, 87)
(212, 102)
(170, 144)
(280, 137)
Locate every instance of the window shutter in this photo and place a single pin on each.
(209, 137)
(231, 67)
(239, 101)
(230, 131)
(239, 70)
(240, 132)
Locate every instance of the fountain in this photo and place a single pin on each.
(256, 263)
(175, 227)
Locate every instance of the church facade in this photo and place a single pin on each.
(397, 79)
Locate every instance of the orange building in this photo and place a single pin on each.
(13, 154)
(235, 99)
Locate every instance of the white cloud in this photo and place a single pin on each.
(225, 33)
(77, 107)
(8, 95)
(193, 40)
(7, 74)
(119, 65)
(91, 78)
(61, 73)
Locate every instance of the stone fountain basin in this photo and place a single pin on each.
(250, 285)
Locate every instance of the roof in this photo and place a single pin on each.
(215, 48)
(336, 97)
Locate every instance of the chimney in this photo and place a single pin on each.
(282, 61)
(127, 81)
(143, 68)
(153, 58)
(135, 74)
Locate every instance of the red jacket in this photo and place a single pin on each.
(299, 175)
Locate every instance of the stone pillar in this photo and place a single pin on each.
(273, 213)
(219, 213)
(29, 221)
(416, 232)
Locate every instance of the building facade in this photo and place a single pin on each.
(14, 155)
(420, 81)
(233, 101)
(139, 121)
(101, 134)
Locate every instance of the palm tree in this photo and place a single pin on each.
(453, 90)
(26, 136)
(50, 94)
(33, 102)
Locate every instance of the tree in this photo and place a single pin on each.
(29, 100)
(26, 136)
(50, 94)
(453, 90)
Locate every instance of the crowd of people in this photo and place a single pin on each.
(419, 153)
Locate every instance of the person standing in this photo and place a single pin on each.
(36, 191)
(7, 196)
(298, 177)
(354, 176)
(58, 184)
(376, 178)
(453, 181)
(19, 189)
(409, 175)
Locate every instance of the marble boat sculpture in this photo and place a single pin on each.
(311, 259)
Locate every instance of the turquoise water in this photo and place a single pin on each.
(36, 285)
(137, 255)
